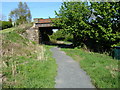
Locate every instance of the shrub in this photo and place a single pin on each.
(118, 44)
(5, 24)
(62, 36)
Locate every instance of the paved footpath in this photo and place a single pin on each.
(70, 75)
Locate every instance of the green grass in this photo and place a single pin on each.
(34, 74)
(102, 69)
(25, 64)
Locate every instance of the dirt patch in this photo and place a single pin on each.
(78, 58)
(60, 42)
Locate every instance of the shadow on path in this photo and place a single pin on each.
(60, 45)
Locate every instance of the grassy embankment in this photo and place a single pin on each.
(25, 64)
(102, 69)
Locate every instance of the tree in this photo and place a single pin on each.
(5, 24)
(21, 14)
(107, 30)
(95, 25)
(73, 18)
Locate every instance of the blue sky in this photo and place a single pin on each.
(38, 9)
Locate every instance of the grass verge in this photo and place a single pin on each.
(102, 69)
(25, 64)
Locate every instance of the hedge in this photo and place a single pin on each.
(5, 24)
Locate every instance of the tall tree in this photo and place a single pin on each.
(96, 25)
(21, 14)
(73, 17)
(107, 32)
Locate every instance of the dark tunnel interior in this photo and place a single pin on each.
(44, 33)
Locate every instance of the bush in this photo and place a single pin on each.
(62, 36)
(5, 24)
(118, 44)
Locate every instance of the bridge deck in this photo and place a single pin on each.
(44, 23)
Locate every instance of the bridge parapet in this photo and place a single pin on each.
(38, 22)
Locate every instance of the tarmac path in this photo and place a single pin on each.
(70, 75)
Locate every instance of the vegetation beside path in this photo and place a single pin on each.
(102, 69)
(25, 64)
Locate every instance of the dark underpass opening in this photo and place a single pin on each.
(44, 33)
(46, 29)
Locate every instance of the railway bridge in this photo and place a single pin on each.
(40, 30)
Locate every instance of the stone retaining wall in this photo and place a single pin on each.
(33, 34)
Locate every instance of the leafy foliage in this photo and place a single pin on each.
(107, 30)
(96, 25)
(72, 16)
(21, 14)
(5, 24)
(60, 35)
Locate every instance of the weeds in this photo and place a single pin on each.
(25, 64)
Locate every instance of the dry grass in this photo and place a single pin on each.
(78, 58)
(25, 64)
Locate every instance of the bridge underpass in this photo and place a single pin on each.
(44, 33)
(44, 29)
(40, 32)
